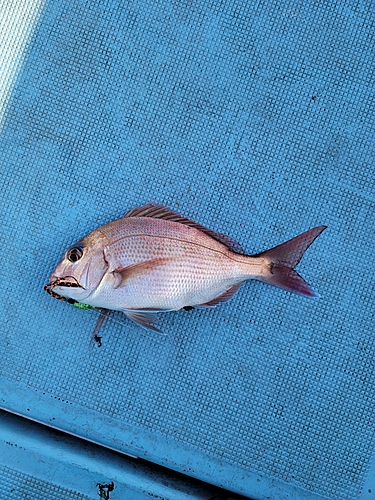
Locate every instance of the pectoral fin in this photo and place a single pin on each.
(147, 320)
(123, 274)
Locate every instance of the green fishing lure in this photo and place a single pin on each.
(79, 305)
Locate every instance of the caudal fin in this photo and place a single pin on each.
(283, 259)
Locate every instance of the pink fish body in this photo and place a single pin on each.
(153, 260)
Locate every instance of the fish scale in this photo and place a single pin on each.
(191, 274)
(153, 260)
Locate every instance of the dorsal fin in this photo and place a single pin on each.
(159, 211)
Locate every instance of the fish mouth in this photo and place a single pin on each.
(66, 281)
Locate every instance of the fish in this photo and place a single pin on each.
(154, 260)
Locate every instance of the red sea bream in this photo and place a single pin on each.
(154, 260)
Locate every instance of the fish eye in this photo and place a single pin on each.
(74, 253)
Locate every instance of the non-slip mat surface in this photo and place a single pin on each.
(20, 485)
(255, 119)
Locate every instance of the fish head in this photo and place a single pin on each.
(81, 269)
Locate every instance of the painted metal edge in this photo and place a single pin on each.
(28, 449)
(115, 435)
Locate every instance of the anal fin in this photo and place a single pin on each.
(224, 297)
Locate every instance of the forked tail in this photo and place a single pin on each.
(284, 258)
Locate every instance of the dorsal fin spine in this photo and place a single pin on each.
(159, 211)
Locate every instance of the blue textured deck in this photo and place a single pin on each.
(257, 120)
